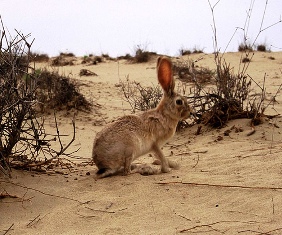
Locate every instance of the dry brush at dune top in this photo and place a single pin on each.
(229, 182)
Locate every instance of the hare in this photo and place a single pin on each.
(121, 142)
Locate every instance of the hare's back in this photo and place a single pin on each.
(125, 131)
(119, 140)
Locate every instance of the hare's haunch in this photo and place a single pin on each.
(126, 139)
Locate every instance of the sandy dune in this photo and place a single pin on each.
(228, 186)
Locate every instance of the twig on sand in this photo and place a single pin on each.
(10, 228)
(196, 162)
(210, 225)
(5, 194)
(30, 223)
(220, 185)
(39, 191)
(182, 216)
(261, 233)
(105, 211)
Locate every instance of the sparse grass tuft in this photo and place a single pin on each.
(195, 50)
(261, 47)
(142, 55)
(183, 52)
(246, 60)
(244, 47)
(62, 61)
(68, 54)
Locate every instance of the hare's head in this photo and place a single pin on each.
(173, 104)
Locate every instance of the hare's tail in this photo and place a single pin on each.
(104, 172)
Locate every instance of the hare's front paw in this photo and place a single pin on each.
(165, 166)
(165, 169)
(147, 170)
(173, 164)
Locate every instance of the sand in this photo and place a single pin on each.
(225, 185)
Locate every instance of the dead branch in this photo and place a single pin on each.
(29, 224)
(8, 230)
(183, 217)
(220, 185)
(260, 233)
(5, 194)
(39, 191)
(105, 211)
(196, 162)
(211, 224)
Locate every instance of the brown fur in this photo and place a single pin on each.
(126, 139)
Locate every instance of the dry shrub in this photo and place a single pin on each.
(261, 47)
(245, 47)
(92, 59)
(39, 58)
(59, 92)
(183, 52)
(229, 99)
(24, 142)
(139, 97)
(86, 72)
(246, 60)
(142, 55)
(67, 54)
(63, 59)
(218, 96)
(125, 57)
(186, 71)
(87, 59)
(195, 50)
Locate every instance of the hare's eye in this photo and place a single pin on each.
(179, 102)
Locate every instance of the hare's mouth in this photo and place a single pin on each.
(185, 114)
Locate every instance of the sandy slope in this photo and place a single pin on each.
(231, 186)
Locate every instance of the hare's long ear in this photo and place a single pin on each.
(165, 77)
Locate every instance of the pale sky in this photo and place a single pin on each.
(116, 27)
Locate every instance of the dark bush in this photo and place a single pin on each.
(59, 92)
(125, 57)
(261, 47)
(185, 52)
(36, 57)
(245, 47)
(246, 60)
